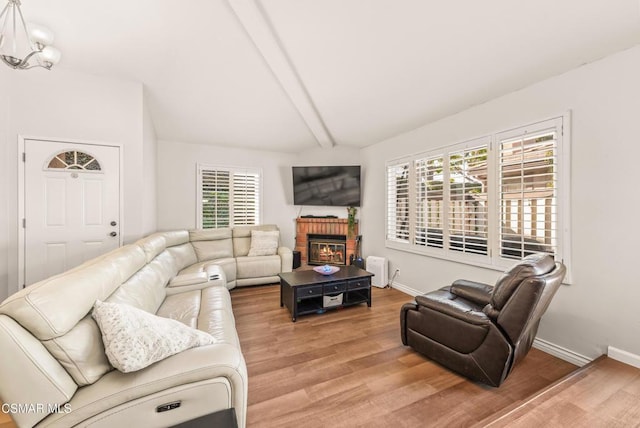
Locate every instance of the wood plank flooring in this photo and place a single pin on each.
(348, 368)
(606, 393)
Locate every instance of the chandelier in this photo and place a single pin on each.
(25, 46)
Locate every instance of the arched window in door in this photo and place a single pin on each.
(74, 159)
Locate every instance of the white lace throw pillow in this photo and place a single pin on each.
(134, 339)
(264, 243)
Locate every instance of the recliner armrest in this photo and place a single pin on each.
(189, 279)
(450, 304)
(477, 292)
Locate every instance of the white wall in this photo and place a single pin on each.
(4, 205)
(65, 105)
(177, 183)
(600, 308)
(149, 156)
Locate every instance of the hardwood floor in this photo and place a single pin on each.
(5, 420)
(606, 393)
(348, 367)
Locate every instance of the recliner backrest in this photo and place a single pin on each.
(531, 266)
(521, 315)
(521, 296)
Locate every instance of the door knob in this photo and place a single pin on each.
(113, 223)
(113, 234)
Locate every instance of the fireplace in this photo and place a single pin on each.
(335, 228)
(326, 249)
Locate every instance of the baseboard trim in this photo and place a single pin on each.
(406, 289)
(560, 352)
(623, 356)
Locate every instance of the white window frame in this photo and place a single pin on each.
(493, 260)
(232, 170)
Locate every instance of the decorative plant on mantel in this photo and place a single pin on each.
(351, 221)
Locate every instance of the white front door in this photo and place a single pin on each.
(71, 205)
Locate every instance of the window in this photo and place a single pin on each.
(398, 202)
(74, 159)
(228, 196)
(487, 201)
(528, 186)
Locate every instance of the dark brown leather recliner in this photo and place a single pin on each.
(482, 331)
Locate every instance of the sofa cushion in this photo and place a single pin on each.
(152, 245)
(264, 243)
(134, 339)
(52, 307)
(207, 310)
(256, 267)
(145, 290)
(211, 244)
(81, 352)
(242, 237)
(184, 255)
(176, 237)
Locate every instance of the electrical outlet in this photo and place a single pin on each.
(397, 272)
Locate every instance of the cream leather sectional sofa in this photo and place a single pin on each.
(53, 359)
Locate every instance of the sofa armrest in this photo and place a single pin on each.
(477, 292)
(210, 275)
(449, 304)
(172, 379)
(286, 259)
(189, 279)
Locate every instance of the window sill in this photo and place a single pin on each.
(484, 262)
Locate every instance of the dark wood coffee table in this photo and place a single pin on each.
(308, 292)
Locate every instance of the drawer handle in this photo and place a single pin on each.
(310, 291)
(335, 287)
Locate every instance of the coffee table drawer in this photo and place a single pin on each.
(335, 287)
(309, 291)
(356, 284)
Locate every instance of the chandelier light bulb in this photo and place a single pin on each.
(41, 35)
(50, 55)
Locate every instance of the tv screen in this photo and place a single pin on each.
(326, 185)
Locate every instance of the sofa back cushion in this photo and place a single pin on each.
(211, 244)
(81, 352)
(152, 245)
(56, 311)
(52, 307)
(183, 255)
(175, 237)
(147, 288)
(242, 238)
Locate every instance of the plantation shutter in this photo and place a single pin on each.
(398, 202)
(215, 198)
(429, 202)
(246, 197)
(468, 204)
(228, 197)
(528, 166)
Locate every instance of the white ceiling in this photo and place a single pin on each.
(290, 75)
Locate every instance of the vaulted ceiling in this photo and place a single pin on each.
(290, 75)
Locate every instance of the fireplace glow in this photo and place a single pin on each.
(327, 249)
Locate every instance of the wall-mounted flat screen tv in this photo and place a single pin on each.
(326, 185)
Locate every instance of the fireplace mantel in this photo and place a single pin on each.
(323, 226)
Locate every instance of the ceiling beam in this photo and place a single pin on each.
(260, 32)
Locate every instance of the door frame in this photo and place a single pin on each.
(21, 189)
